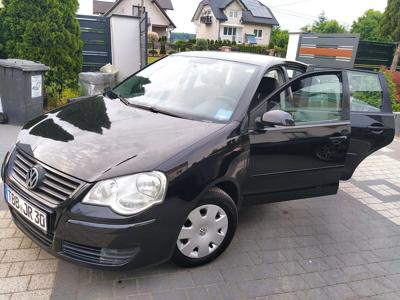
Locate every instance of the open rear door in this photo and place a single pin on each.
(372, 120)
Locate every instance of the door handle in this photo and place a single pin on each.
(376, 128)
(337, 138)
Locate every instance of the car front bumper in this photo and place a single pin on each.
(94, 235)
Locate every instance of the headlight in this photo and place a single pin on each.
(129, 195)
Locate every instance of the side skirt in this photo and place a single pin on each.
(319, 191)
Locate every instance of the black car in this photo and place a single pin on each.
(157, 168)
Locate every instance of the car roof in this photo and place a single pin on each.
(250, 58)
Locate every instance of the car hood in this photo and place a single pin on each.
(100, 138)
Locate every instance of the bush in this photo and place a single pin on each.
(45, 31)
(63, 97)
(391, 78)
(163, 51)
(253, 49)
(172, 51)
(201, 45)
(153, 52)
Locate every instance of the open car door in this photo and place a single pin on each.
(372, 120)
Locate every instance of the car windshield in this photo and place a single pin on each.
(189, 87)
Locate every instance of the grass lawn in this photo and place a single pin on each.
(152, 59)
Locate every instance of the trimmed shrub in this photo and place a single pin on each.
(45, 31)
(201, 45)
(163, 51)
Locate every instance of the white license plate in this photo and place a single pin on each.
(27, 210)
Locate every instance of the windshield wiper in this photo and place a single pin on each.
(165, 112)
(117, 95)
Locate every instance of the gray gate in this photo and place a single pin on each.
(143, 40)
(374, 55)
(95, 33)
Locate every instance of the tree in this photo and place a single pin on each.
(280, 39)
(45, 31)
(330, 26)
(391, 27)
(369, 26)
(153, 38)
(324, 25)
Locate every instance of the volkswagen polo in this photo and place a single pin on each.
(157, 168)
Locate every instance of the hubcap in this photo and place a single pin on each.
(203, 232)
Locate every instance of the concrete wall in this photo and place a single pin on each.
(125, 45)
(397, 123)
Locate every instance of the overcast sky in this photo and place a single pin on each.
(291, 14)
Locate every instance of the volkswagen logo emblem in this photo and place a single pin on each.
(34, 177)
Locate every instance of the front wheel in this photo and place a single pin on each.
(207, 231)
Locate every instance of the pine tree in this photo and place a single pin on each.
(45, 31)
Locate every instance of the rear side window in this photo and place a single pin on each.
(365, 91)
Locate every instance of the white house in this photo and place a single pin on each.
(242, 21)
(158, 19)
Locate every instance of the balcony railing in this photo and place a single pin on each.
(206, 20)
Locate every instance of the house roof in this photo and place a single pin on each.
(156, 3)
(166, 4)
(249, 15)
(101, 7)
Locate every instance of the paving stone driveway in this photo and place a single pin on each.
(339, 247)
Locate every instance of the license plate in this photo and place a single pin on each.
(27, 210)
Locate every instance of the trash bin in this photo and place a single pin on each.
(21, 89)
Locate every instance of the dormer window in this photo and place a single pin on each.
(233, 13)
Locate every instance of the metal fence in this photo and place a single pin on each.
(143, 40)
(374, 55)
(95, 33)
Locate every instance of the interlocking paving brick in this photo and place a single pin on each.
(313, 294)
(10, 243)
(39, 267)
(21, 255)
(15, 269)
(32, 295)
(41, 281)
(314, 280)
(14, 284)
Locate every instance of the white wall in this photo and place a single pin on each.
(125, 45)
(293, 46)
(155, 15)
(85, 7)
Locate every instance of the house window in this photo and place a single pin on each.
(233, 14)
(136, 10)
(258, 33)
(229, 31)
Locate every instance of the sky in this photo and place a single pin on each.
(291, 14)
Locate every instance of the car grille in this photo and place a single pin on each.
(98, 256)
(56, 187)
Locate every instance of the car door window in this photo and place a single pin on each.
(366, 93)
(314, 99)
(272, 80)
(293, 72)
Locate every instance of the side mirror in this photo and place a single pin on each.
(274, 118)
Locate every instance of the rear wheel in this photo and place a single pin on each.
(207, 230)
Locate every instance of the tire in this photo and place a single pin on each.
(209, 227)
